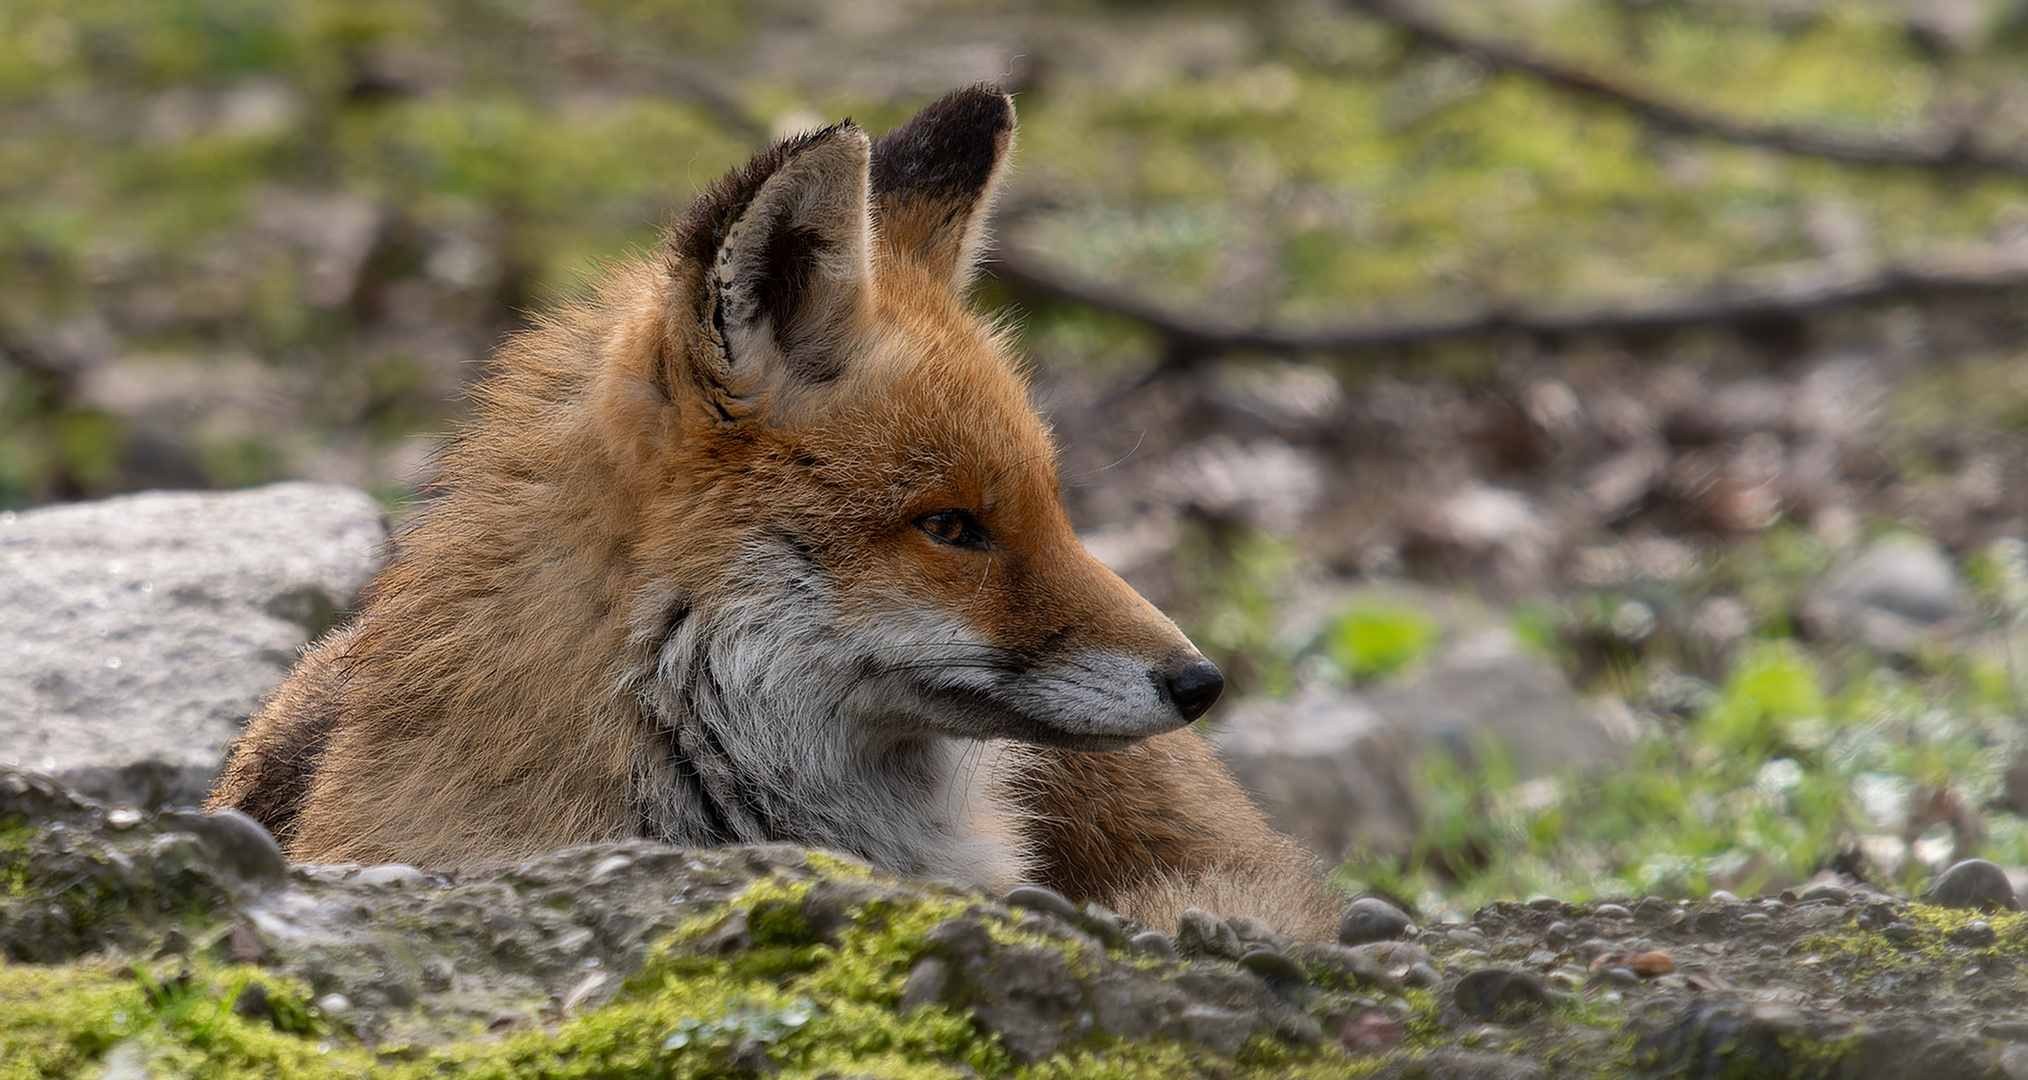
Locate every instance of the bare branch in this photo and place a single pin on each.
(1940, 148)
(1800, 290)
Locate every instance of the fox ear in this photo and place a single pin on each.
(934, 179)
(783, 246)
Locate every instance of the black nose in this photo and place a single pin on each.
(1195, 687)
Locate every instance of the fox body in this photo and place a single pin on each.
(762, 541)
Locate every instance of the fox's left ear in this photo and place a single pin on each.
(934, 179)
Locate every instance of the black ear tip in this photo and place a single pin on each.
(949, 149)
(980, 106)
(978, 111)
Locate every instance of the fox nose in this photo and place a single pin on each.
(1194, 687)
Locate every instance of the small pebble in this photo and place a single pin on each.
(1722, 896)
(1469, 937)
(1254, 930)
(1371, 919)
(333, 1004)
(1423, 975)
(925, 984)
(1973, 883)
(1501, 994)
(1616, 975)
(1152, 943)
(1557, 933)
(242, 945)
(1104, 925)
(1612, 911)
(252, 1002)
(1200, 933)
(1877, 914)
(1651, 964)
(1901, 933)
(438, 975)
(1828, 894)
(1589, 952)
(1566, 979)
(389, 876)
(1275, 969)
(236, 843)
(1976, 934)
(125, 817)
(1044, 899)
(1371, 1031)
(1346, 965)
(1756, 918)
(174, 942)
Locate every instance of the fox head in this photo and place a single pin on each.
(852, 501)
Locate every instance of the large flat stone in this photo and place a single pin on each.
(139, 632)
(1343, 769)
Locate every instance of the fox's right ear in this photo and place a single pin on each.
(934, 179)
(779, 256)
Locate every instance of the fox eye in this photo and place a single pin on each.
(955, 527)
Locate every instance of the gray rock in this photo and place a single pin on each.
(142, 630)
(1153, 944)
(1343, 967)
(1278, 971)
(1222, 1030)
(1501, 994)
(1102, 923)
(1044, 899)
(1976, 934)
(1371, 919)
(1327, 767)
(1252, 931)
(1339, 768)
(234, 843)
(1199, 933)
(925, 984)
(1973, 883)
(1900, 591)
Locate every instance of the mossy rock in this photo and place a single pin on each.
(164, 946)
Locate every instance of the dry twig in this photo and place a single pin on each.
(1957, 147)
(1800, 290)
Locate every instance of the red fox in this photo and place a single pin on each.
(762, 541)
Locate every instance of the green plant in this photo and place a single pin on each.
(1376, 639)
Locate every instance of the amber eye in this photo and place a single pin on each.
(956, 527)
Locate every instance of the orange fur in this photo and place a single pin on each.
(762, 540)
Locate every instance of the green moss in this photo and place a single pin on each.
(1373, 640)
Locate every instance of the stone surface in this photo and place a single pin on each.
(1338, 768)
(1976, 884)
(1899, 591)
(141, 631)
(1371, 919)
(1502, 995)
(400, 960)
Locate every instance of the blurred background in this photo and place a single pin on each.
(1588, 432)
